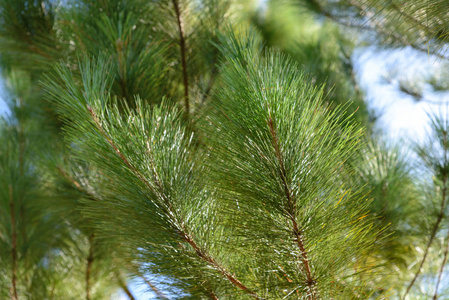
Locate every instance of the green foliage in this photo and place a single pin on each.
(318, 47)
(149, 173)
(123, 32)
(414, 23)
(28, 35)
(223, 163)
(386, 172)
(157, 187)
(433, 157)
(272, 144)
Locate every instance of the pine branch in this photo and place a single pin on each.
(410, 18)
(292, 211)
(317, 5)
(201, 253)
(376, 26)
(130, 166)
(183, 52)
(281, 156)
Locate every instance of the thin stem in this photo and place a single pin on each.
(202, 254)
(124, 287)
(212, 295)
(13, 289)
(154, 288)
(90, 260)
(437, 223)
(70, 179)
(183, 49)
(432, 236)
(292, 213)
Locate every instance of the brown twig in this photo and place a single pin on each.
(69, 178)
(204, 256)
(298, 234)
(21, 137)
(124, 287)
(212, 295)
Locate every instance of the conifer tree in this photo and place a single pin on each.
(190, 142)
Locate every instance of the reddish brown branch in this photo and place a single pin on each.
(13, 289)
(204, 256)
(298, 235)
(117, 151)
(69, 178)
(124, 287)
(212, 295)
(183, 49)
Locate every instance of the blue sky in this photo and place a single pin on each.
(380, 72)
